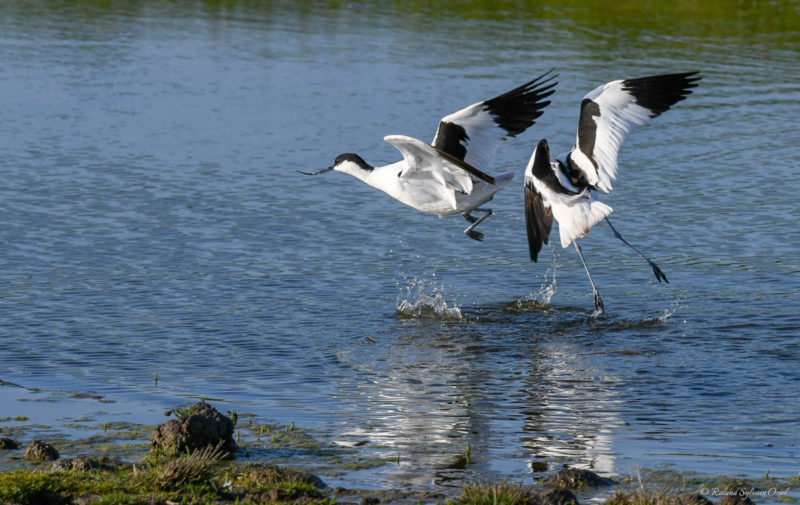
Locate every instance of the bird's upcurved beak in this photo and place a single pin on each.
(317, 172)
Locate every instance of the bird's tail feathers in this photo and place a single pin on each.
(579, 218)
(503, 179)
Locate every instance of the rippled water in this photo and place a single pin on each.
(153, 223)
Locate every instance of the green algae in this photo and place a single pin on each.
(256, 477)
(281, 437)
(203, 477)
(20, 419)
(198, 478)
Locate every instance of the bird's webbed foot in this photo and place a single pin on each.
(598, 304)
(658, 273)
(474, 235)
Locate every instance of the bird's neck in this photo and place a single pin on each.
(384, 178)
(361, 170)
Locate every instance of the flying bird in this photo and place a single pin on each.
(561, 188)
(449, 176)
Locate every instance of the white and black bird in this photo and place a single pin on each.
(561, 188)
(449, 176)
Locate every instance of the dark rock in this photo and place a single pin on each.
(576, 478)
(273, 495)
(40, 451)
(370, 500)
(85, 464)
(200, 426)
(539, 466)
(7, 443)
(693, 499)
(736, 495)
(557, 496)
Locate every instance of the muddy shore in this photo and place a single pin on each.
(239, 458)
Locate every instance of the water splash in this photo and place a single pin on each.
(424, 299)
(670, 311)
(547, 289)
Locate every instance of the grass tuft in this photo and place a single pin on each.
(194, 467)
(29, 487)
(641, 494)
(504, 493)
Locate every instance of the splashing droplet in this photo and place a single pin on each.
(419, 300)
(547, 289)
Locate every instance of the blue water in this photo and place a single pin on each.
(152, 222)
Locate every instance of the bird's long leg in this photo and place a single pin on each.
(470, 231)
(598, 302)
(657, 271)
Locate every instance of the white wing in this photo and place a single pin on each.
(474, 133)
(612, 110)
(424, 161)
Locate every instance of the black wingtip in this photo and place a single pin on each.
(660, 92)
(517, 110)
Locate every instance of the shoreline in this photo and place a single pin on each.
(126, 449)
